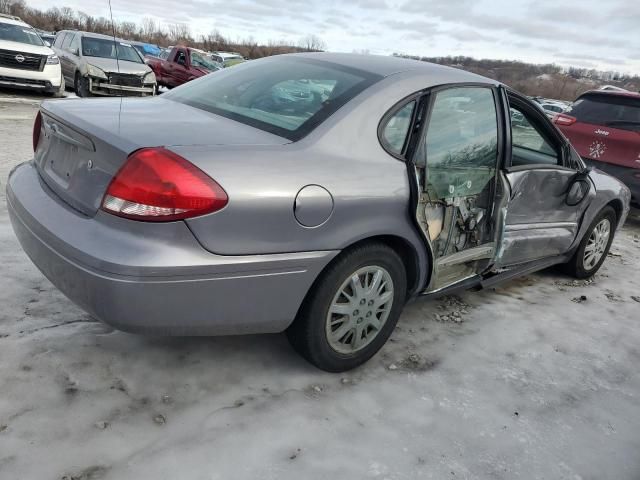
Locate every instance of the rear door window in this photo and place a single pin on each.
(608, 110)
(460, 148)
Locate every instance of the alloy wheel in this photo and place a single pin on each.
(359, 309)
(597, 244)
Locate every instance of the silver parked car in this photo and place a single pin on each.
(219, 209)
(101, 65)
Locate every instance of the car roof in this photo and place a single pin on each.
(610, 93)
(390, 65)
(13, 21)
(94, 35)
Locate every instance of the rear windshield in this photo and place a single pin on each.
(286, 96)
(612, 111)
(103, 48)
(20, 34)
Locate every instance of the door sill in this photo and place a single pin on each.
(464, 284)
(489, 281)
(523, 269)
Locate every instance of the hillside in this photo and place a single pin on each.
(548, 80)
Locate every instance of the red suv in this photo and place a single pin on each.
(604, 127)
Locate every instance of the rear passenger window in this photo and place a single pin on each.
(395, 131)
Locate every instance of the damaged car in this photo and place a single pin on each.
(97, 64)
(231, 212)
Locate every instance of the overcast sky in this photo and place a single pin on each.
(603, 34)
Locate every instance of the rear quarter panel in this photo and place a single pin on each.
(370, 189)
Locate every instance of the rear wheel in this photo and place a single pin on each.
(81, 85)
(352, 309)
(594, 246)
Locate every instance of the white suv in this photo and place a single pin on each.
(26, 61)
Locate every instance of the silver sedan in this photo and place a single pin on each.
(312, 193)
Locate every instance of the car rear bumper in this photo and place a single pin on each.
(629, 176)
(154, 278)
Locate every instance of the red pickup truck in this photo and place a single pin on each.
(181, 65)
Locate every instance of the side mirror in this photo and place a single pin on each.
(47, 43)
(579, 188)
(76, 52)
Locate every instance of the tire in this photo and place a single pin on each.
(584, 266)
(81, 86)
(310, 333)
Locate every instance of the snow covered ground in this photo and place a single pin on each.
(526, 381)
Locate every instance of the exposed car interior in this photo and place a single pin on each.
(456, 159)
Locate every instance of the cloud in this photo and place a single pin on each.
(528, 30)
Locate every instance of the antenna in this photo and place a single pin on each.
(113, 29)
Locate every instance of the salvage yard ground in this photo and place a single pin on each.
(535, 379)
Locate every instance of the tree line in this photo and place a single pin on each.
(150, 31)
(546, 80)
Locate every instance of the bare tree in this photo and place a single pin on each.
(179, 32)
(312, 43)
(13, 7)
(127, 29)
(148, 28)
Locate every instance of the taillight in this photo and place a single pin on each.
(564, 119)
(37, 126)
(157, 185)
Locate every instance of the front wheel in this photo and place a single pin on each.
(594, 246)
(81, 85)
(352, 309)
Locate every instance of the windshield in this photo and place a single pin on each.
(609, 110)
(200, 60)
(285, 96)
(20, 34)
(103, 48)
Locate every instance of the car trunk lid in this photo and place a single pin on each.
(83, 143)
